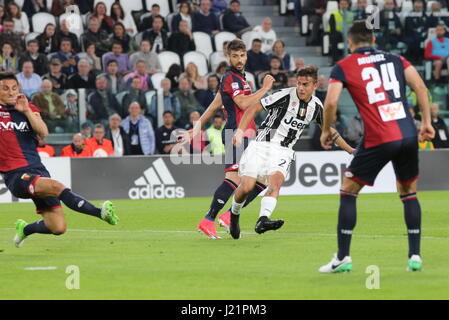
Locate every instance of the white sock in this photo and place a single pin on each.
(267, 206)
(236, 207)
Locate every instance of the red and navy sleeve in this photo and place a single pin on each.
(34, 108)
(337, 75)
(405, 62)
(232, 86)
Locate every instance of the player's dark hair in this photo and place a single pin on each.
(8, 76)
(360, 33)
(308, 71)
(236, 45)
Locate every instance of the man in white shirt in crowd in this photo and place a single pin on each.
(266, 33)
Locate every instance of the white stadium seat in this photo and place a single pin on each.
(198, 59)
(215, 59)
(332, 6)
(156, 79)
(251, 80)
(170, 19)
(20, 3)
(108, 4)
(167, 58)
(248, 38)
(31, 36)
(77, 31)
(203, 43)
(131, 5)
(40, 20)
(222, 37)
(165, 7)
(149, 95)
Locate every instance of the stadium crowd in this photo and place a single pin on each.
(131, 72)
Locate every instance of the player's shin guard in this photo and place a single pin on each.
(256, 191)
(36, 227)
(78, 203)
(267, 206)
(236, 207)
(221, 196)
(412, 215)
(347, 217)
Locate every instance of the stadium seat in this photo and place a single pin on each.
(407, 6)
(215, 59)
(156, 79)
(165, 6)
(170, 19)
(108, 4)
(332, 6)
(251, 79)
(149, 95)
(30, 36)
(76, 31)
(167, 58)
(248, 38)
(138, 38)
(429, 5)
(132, 5)
(103, 58)
(198, 59)
(203, 43)
(20, 3)
(119, 96)
(40, 20)
(222, 37)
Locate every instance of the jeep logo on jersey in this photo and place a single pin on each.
(156, 183)
(10, 126)
(295, 123)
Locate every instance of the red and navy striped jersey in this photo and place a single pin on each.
(18, 141)
(376, 82)
(233, 83)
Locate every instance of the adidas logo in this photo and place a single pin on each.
(156, 183)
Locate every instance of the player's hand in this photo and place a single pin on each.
(185, 136)
(426, 133)
(22, 103)
(268, 82)
(237, 139)
(326, 140)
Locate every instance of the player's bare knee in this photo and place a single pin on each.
(59, 229)
(57, 187)
(351, 186)
(406, 189)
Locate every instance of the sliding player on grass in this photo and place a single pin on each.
(291, 110)
(377, 82)
(25, 175)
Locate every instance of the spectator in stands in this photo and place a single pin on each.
(355, 131)
(118, 55)
(119, 34)
(205, 97)
(102, 102)
(416, 32)
(55, 75)
(192, 74)
(140, 131)
(173, 74)
(157, 36)
(97, 36)
(166, 139)
(135, 94)
(67, 56)
(64, 33)
(45, 150)
(171, 102)
(119, 16)
(299, 64)
(51, 106)
(185, 14)
(86, 130)
(390, 32)
(339, 23)
(234, 21)
(198, 143)
(59, 6)
(213, 135)
(219, 6)
(8, 35)
(257, 60)
(115, 79)
(21, 24)
(77, 148)
(181, 41)
(118, 136)
(3, 16)
(91, 56)
(321, 91)
(85, 78)
(441, 131)
(437, 16)
(142, 74)
(278, 74)
(221, 69)
(100, 146)
(315, 10)
(48, 40)
(105, 21)
(187, 100)
(204, 20)
(70, 98)
(437, 49)
(145, 54)
(147, 22)
(8, 59)
(360, 11)
(40, 61)
(266, 34)
(287, 62)
(30, 82)
(31, 7)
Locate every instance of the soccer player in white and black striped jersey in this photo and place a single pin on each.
(269, 156)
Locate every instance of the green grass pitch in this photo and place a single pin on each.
(155, 253)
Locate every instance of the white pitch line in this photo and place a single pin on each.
(40, 268)
(247, 233)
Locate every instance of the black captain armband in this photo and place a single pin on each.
(335, 136)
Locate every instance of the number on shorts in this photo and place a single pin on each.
(283, 161)
(389, 81)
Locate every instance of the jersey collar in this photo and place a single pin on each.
(362, 50)
(236, 71)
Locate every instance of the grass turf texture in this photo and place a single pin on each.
(155, 253)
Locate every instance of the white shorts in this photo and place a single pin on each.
(263, 158)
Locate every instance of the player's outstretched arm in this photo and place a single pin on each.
(330, 113)
(215, 105)
(244, 122)
(38, 125)
(244, 102)
(415, 82)
(339, 141)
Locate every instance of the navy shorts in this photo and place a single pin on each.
(232, 154)
(21, 184)
(367, 163)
